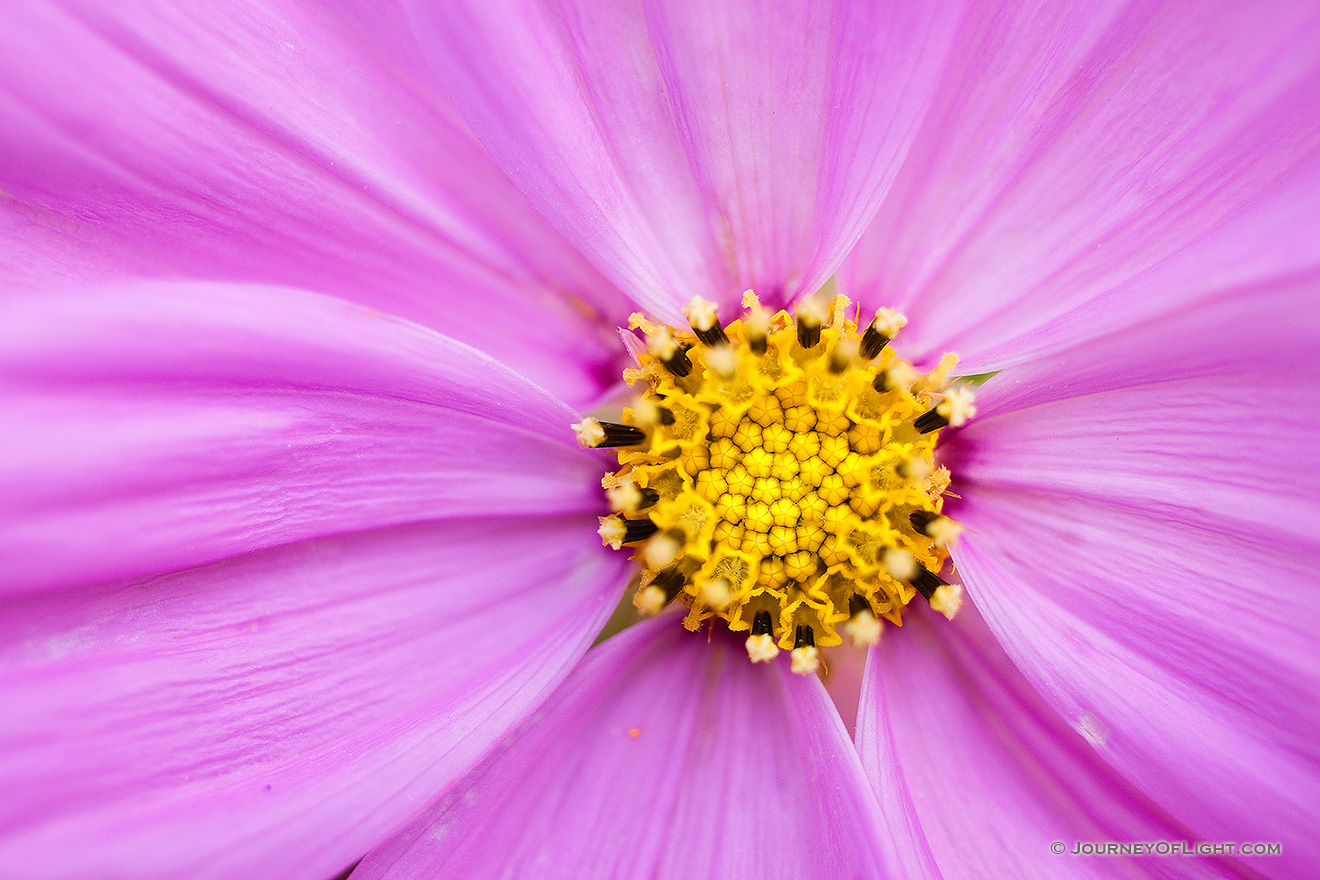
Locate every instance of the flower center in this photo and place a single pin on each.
(778, 473)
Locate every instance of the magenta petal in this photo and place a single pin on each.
(695, 151)
(159, 426)
(274, 143)
(978, 776)
(1140, 514)
(280, 714)
(1075, 148)
(666, 754)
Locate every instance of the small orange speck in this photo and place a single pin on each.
(635, 732)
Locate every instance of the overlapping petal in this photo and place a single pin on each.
(979, 777)
(279, 714)
(695, 150)
(1074, 149)
(151, 427)
(273, 143)
(1140, 511)
(666, 754)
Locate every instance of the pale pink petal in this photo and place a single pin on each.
(1075, 149)
(157, 426)
(275, 143)
(695, 150)
(1140, 514)
(666, 754)
(280, 714)
(979, 777)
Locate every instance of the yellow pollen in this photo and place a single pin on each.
(782, 484)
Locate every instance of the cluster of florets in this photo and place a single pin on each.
(778, 472)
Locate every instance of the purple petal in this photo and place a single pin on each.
(280, 714)
(695, 151)
(273, 143)
(160, 426)
(1140, 515)
(1072, 151)
(666, 754)
(978, 776)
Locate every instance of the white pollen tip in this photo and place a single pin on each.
(756, 324)
(947, 599)
(625, 497)
(864, 629)
(900, 374)
(845, 352)
(645, 412)
(723, 360)
(660, 551)
(589, 433)
(751, 301)
(701, 314)
(957, 405)
(612, 531)
(717, 594)
(916, 469)
(888, 322)
(762, 648)
(806, 659)
(650, 601)
(900, 563)
(812, 312)
(943, 531)
(662, 345)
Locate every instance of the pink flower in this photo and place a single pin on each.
(298, 557)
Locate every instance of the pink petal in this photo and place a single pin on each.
(1140, 512)
(666, 754)
(158, 426)
(280, 714)
(978, 776)
(1077, 149)
(695, 151)
(273, 143)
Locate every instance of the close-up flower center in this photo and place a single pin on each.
(778, 472)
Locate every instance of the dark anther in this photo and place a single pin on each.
(712, 335)
(757, 342)
(808, 330)
(927, 582)
(665, 416)
(679, 364)
(669, 580)
(762, 625)
(805, 637)
(873, 342)
(856, 605)
(620, 435)
(921, 520)
(839, 360)
(638, 529)
(930, 421)
(882, 383)
(649, 497)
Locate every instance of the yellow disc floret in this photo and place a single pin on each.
(777, 472)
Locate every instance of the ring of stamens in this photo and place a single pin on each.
(778, 472)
